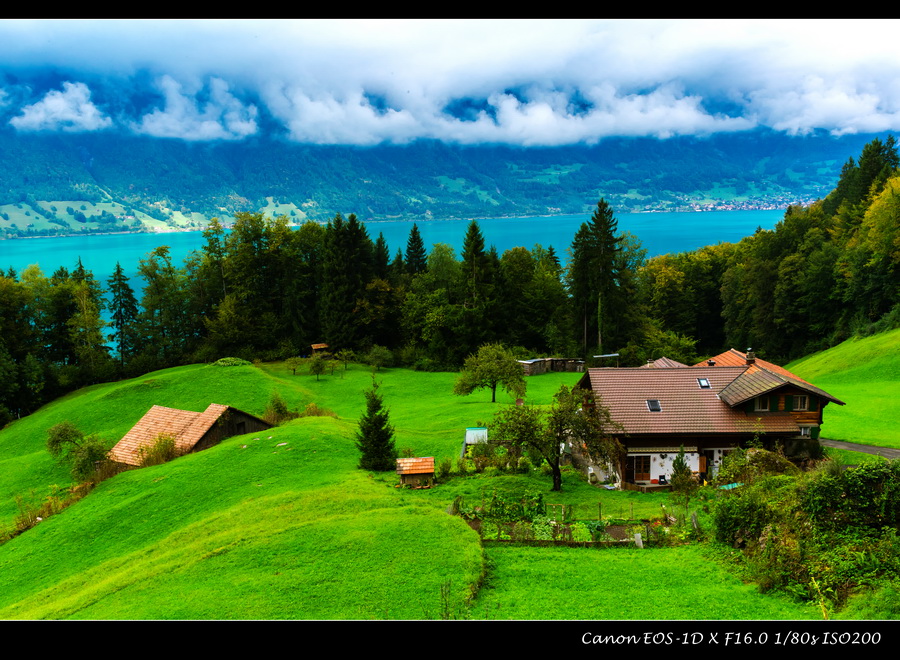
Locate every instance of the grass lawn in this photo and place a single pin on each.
(620, 583)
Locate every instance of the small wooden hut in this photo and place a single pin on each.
(416, 471)
(192, 431)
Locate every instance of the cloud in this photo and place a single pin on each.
(222, 117)
(523, 82)
(69, 110)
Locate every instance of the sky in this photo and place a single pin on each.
(517, 82)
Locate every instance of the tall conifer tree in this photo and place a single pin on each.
(593, 275)
(416, 259)
(124, 312)
(375, 438)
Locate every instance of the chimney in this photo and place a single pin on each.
(751, 356)
(710, 363)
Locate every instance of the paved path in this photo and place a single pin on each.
(866, 449)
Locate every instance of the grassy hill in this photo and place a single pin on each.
(865, 374)
(281, 524)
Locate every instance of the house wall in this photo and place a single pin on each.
(231, 423)
(661, 463)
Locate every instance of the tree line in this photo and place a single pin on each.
(268, 291)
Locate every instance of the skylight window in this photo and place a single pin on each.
(653, 405)
(703, 383)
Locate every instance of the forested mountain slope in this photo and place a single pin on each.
(68, 183)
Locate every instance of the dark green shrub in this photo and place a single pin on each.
(741, 517)
(277, 410)
(443, 469)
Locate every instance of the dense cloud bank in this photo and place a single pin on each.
(528, 82)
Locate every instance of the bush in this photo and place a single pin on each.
(277, 410)
(89, 458)
(161, 451)
(230, 362)
(444, 468)
(379, 356)
(746, 466)
(313, 410)
(85, 455)
(62, 438)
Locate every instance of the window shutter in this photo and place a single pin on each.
(773, 403)
(814, 433)
(813, 403)
(788, 402)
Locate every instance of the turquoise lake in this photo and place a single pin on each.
(659, 233)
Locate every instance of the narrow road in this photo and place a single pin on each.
(887, 452)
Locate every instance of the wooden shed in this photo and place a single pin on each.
(193, 431)
(416, 471)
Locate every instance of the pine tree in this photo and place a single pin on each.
(375, 438)
(123, 309)
(415, 252)
(594, 277)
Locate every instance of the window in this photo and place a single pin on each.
(801, 402)
(762, 404)
(653, 405)
(805, 431)
(703, 383)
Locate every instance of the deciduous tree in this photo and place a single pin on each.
(491, 366)
(567, 420)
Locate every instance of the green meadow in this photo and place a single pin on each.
(865, 374)
(282, 524)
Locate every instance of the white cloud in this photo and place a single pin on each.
(69, 110)
(324, 119)
(222, 117)
(369, 81)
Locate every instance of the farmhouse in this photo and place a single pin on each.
(710, 409)
(192, 431)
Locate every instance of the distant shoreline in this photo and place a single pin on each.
(177, 230)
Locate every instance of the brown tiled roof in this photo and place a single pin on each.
(686, 408)
(663, 362)
(415, 465)
(186, 426)
(760, 378)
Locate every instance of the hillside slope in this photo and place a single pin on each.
(273, 525)
(865, 374)
(282, 525)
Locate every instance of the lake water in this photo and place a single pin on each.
(659, 233)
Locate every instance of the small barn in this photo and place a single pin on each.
(416, 471)
(193, 431)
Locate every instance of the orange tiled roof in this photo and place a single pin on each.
(734, 358)
(186, 426)
(685, 408)
(415, 465)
